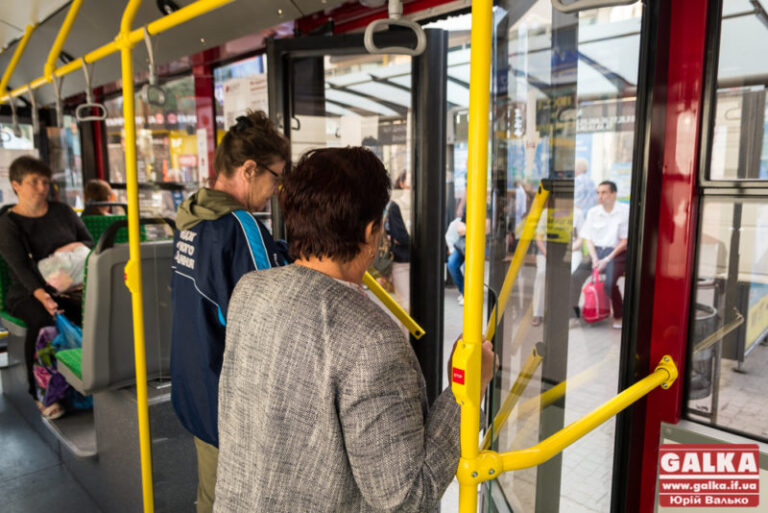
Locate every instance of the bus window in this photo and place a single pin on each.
(237, 87)
(740, 135)
(166, 148)
(729, 332)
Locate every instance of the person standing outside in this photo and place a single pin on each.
(396, 230)
(219, 241)
(605, 232)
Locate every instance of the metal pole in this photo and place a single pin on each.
(133, 267)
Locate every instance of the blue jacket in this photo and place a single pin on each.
(209, 259)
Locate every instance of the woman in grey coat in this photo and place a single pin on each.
(322, 404)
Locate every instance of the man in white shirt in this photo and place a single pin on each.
(605, 233)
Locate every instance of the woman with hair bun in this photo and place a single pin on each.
(219, 241)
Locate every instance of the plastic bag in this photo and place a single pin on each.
(64, 270)
(51, 386)
(70, 335)
(596, 306)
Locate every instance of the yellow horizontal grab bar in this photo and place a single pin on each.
(161, 25)
(392, 305)
(489, 464)
(15, 58)
(61, 37)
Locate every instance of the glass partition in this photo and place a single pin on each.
(563, 117)
(729, 333)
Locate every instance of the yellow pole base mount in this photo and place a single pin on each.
(667, 364)
(487, 466)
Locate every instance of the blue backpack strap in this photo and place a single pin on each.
(254, 238)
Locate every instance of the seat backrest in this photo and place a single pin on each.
(107, 352)
(97, 224)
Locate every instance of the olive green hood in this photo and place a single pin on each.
(205, 205)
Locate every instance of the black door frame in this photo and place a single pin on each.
(428, 102)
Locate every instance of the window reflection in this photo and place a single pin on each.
(728, 337)
(166, 147)
(740, 133)
(563, 115)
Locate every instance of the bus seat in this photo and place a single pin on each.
(96, 225)
(106, 358)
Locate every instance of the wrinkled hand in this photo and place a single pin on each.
(490, 364)
(50, 305)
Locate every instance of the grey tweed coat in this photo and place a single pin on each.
(322, 404)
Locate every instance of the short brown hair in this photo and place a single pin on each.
(253, 137)
(26, 165)
(330, 198)
(97, 190)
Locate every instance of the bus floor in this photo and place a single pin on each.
(32, 477)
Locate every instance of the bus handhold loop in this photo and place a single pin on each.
(57, 93)
(395, 19)
(583, 5)
(33, 108)
(16, 130)
(83, 112)
(152, 93)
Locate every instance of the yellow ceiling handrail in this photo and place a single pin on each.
(183, 15)
(15, 59)
(61, 37)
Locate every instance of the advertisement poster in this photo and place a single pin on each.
(243, 94)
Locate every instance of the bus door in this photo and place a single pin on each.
(330, 92)
(566, 106)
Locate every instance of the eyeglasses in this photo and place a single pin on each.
(278, 177)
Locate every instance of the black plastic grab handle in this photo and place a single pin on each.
(107, 239)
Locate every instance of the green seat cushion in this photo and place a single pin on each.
(15, 320)
(72, 359)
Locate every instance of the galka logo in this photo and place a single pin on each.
(709, 475)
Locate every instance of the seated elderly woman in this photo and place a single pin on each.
(322, 403)
(30, 231)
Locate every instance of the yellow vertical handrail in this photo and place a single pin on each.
(465, 379)
(133, 267)
(61, 37)
(15, 58)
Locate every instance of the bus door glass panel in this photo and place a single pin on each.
(359, 99)
(729, 334)
(563, 115)
(729, 319)
(167, 155)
